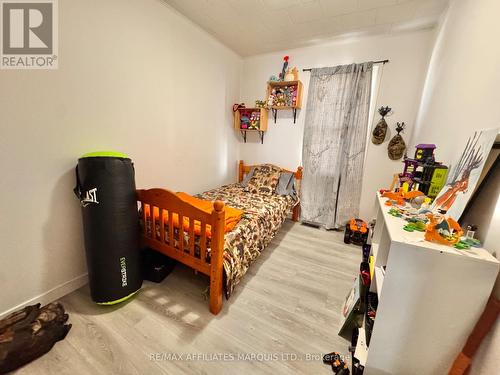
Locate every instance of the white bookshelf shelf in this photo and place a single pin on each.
(379, 279)
(374, 249)
(430, 296)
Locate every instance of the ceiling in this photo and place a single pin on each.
(251, 27)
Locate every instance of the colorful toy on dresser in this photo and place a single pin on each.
(422, 172)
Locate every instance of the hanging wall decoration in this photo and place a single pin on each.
(380, 130)
(397, 146)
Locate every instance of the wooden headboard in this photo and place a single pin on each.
(244, 169)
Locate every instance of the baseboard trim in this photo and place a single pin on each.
(52, 294)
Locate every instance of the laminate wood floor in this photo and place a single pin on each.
(281, 318)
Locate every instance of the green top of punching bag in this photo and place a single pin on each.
(105, 154)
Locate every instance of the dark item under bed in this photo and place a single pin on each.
(29, 333)
(156, 266)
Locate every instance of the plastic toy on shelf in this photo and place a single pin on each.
(422, 172)
(412, 226)
(443, 230)
(400, 197)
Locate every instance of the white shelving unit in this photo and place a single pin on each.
(430, 297)
(361, 352)
(379, 279)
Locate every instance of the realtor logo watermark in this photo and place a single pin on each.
(28, 34)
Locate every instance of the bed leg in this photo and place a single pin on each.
(217, 258)
(215, 295)
(296, 213)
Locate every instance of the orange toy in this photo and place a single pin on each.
(432, 234)
(358, 225)
(400, 196)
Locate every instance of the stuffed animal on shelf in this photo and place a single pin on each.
(272, 98)
(397, 145)
(292, 75)
(380, 130)
(244, 122)
(254, 121)
(285, 96)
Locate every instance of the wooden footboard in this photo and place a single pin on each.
(164, 211)
(186, 225)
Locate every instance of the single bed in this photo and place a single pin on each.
(203, 242)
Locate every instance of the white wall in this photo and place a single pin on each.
(461, 95)
(133, 76)
(401, 86)
(461, 91)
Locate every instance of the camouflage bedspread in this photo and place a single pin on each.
(263, 217)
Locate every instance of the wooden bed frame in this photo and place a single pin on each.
(165, 204)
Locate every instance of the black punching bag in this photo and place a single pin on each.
(105, 186)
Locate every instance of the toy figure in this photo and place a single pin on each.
(471, 159)
(272, 98)
(260, 104)
(292, 75)
(283, 70)
(400, 197)
(244, 122)
(443, 230)
(412, 226)
(339, 366)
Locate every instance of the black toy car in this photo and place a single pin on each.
(356, 232)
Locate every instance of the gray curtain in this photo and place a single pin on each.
(335, 136)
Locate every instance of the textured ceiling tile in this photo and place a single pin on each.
(280, 4)
(430, 7)
(357, 20)
(275, 18)
(338, 7)
(371, 4)
(257, 26)
(247, 8)
(314, 29)
(396, 13)
(305, 12)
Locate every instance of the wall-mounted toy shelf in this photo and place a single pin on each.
(251, 120)
(282, 95)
